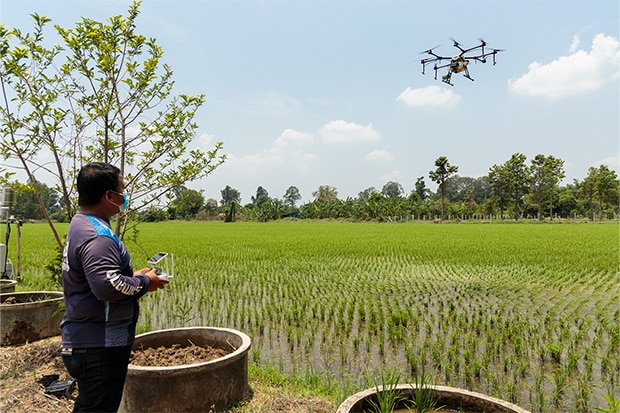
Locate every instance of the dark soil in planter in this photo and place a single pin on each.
(175, 355)
(10, 300)
(25, 298)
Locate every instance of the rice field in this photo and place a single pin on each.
(529, 313)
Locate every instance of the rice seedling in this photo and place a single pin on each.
(613, 405)
(388, 396)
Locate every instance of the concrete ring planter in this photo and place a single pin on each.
(7, 286)
(30, 316)
(201, 387)
(447, 397)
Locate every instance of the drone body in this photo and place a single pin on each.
(458, 63)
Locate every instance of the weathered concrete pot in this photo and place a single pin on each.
(201, 387)
(447, 397)
(7, 286)
(30, 316)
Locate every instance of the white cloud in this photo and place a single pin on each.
(577, 73)
(393, 176)
(286, 151)
(574, 45)
(429, 96)
(341, 131)
(379, 155)
(291, 136)
(270, 104)
(206, 142)
(613, 162)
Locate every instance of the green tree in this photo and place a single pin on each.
(103, 95)
(270, 209)
(374, 206)
(325, 193)
(262, 196)
(440, 175)
(458, 187)
(366, 193)
(517, 182)
(291, 196)
(420, 188)
(187, 202)
(546, 173)
(211, 206)
(393, 190)
(567, 201)
(27, 205)
(498, 179)
(230, 194)
(414, 205)
(601, 188)
(231, 213)
(152, 214)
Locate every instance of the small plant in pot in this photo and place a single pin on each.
(421, 397)
(389, 397)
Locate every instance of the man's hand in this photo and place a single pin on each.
(157, 282)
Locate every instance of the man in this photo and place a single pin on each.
(101, 292)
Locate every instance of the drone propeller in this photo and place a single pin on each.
(455, 43)
(429, 51)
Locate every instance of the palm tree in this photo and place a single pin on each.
(443, 171)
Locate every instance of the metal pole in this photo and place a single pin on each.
(19, 253)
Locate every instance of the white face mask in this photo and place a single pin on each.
(125, 203)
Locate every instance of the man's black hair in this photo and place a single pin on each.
(94, 180)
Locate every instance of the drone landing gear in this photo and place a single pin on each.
(446, 78)
(467, 75)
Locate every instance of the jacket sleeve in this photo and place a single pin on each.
(109, 273)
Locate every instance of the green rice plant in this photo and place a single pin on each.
(555, 351)
(538, 393)
(560, 377)
(543, 353)
(388, 396)
(183, 313)
(510, 392)
(613, 405)
(423, 397)
(584, 392)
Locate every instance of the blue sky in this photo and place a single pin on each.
(317, 92)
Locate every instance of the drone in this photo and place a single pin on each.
(458, 63)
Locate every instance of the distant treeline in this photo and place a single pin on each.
(510, 191)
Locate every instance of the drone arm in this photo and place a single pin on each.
(435, 58)
(482, 57)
